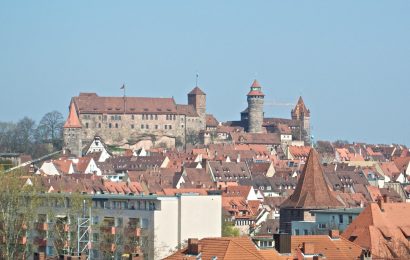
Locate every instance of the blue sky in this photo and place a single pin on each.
(350, 60)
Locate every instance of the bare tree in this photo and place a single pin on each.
(50, 127)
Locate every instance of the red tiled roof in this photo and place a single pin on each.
(383, 229)
(312, 190)
(196, 91)
(224, 248)
(335, 249)
(211, 121)
(72, 120)
(92, 103)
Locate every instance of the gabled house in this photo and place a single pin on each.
(98, 146)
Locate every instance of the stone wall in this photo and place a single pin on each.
(255, 114)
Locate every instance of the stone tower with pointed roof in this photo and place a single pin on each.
(72, 132)
(197, 98)
(302, 114)
(312, 192)
(255, 99)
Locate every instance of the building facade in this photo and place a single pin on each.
(135, 121)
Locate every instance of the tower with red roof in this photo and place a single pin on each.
(302, 114)
(72, 132)
(255, 108)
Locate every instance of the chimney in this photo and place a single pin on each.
(194, 248)
(334, 234)
(308, 248)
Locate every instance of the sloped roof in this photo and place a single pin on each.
(335, 249)
(92, 103)
(196, 91)
(224, 248)
(256, 89)
(300, 108)
(72, 120)
(211, 121)
(187, 110)
(383, 229)
(312, 191)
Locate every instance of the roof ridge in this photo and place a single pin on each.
(257, 255)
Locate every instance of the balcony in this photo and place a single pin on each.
(108, 230)
(42, 226)
(133, 231)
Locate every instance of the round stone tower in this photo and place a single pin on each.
(255, 108)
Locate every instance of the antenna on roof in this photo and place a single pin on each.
(196, 79)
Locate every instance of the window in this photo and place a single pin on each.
(350, 219)
(144, 223)
(340, 218)
(156, 126)
(112, 118)
(99, 125)
(147, 126)
(86, 125)
(297, 232)
(116, 125)
(142, 126)
(170, 126)
(132, 126)
(166, 127)
(109, 125)
(175, 117)
(305, 232)
(151, 117)
(156, 117)
(132, 117)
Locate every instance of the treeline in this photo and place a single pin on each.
(28, 137)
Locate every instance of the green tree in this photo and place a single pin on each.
(229, 229)
(17, 211)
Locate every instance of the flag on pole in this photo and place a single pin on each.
(123, 86)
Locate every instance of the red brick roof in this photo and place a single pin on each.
(383, 229)
(224, 248)
(196, 91)
(72, 120)
(256, 89)
(335, 249)
(211, 121)
(92, 103)
(300, 108)
(312, 190)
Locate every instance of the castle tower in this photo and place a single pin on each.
(72, 132)
(255, 108)
(302, 114)
(197, 98)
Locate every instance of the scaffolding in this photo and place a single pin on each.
(84, 241)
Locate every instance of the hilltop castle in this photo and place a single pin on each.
(160, 121)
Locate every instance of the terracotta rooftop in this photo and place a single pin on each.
(384, 229)
(223, 248)
(92, 103)
(72, 120)
(256, 89)
(300, 108)
(335, 249)
(312, 190)
(196, 91)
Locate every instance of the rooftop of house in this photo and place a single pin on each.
(224, 248)
(382, 228)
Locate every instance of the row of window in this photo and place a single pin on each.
(143, 126)
(143, 117)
